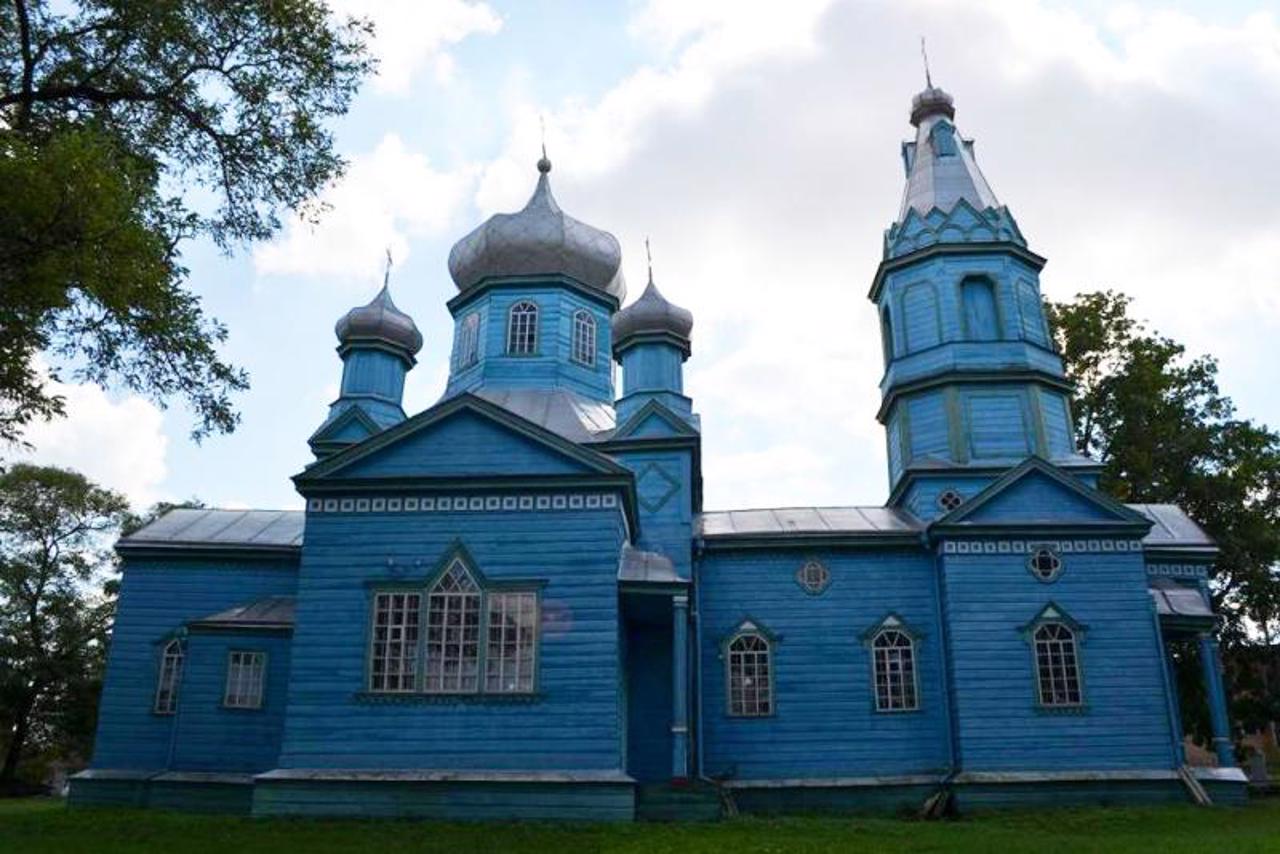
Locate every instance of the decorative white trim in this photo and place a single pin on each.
(464, 503)
(1178, 570)
(991, 547)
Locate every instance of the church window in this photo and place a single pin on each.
(949, 500)
(513, 628)
(171, 658)
(894, 654)
(886, 334)
(453, 633)
(750, 675)
(584, 338)
(468, 341)
(522, 329)
(1057, 669)
(246, 672)
(393, 654)
(980, 317)
(944, 139)
(813, 576)
(1044, 564)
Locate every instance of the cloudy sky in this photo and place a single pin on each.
(757, 144)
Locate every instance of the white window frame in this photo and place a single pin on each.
(172, 658)
(583, 350)
(814, 577)
(405, 635)
(894, 667)
(246, 679)
(522, 329)
(511, 652)
(1059, 676)
(468, 341)
(742, 664)
(463, 599)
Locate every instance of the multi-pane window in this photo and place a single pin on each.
(246, 672)
(522, 329)
(509, 655)
(813, 576)
(750, 677)
(894, 657)
(1044, 564)
(468, 352)
(584, 338)
(453, 633)
(1057, 668)
(393, 656)
(170, 678)
(949, 500)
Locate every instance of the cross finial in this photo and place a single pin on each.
(925, 55)
(386, 273)
(544, 165)
(648, 254)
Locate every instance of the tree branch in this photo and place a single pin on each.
(28, 62)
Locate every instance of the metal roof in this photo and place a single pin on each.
(225, 528)
(1178, 600)
(1172, 528)
(637, 565)
(271, 612)
(380, 320)
(941, 169)
(652, 313)
(570, 416)
(541, 239)
(808, 520)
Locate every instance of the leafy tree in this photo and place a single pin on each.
(127, 128)
(1166, 433)
(55, 533)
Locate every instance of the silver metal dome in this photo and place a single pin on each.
(380, 320)
(541, 239)
(653, 314)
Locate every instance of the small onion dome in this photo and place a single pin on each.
(380, 320)
(539, 240)
(931, 102)
(652, 314)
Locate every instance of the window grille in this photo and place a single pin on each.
(522, 329)
(246, 672)
(1044, 564)
(584, 338)
(1057, 669)
(510, 655)
(750, 677)
(171, 659)
(813, 576)
(453, 633)
(895, 671)
(469, 341)
(393, 659)
(949, 500)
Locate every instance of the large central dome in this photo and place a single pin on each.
(538, 241)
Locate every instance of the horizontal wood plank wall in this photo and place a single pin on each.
(1124, 723)
(157, 597)
(664, 487)
(212, 737)
(573, 721)
(825, 724)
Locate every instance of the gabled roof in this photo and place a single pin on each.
(1173, 529)
(207, 528)
(779, 526)
(653, 409)
(272, 612)
(330, 432)
(1107, 512)
(333, 466)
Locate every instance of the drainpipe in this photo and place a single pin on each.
(177, 710)
(695, 609)
(948, 699)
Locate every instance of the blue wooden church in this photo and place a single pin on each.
(513, 604)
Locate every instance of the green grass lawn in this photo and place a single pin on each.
(35, 826)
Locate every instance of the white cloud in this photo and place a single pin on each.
(388, 197)
(412, 35)
(119, 444)
(759, 148)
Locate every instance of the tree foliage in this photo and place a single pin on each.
(1158, 421)
(55, 533)
(127, 128)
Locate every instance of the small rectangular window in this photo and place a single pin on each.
(246, 672)
(511, 654)
(393, 654)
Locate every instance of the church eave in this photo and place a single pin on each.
(968, 378)
(196, 550)
(810, 540)
(494, 283)
(1004, 247)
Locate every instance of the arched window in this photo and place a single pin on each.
(1057, 668)
(453, 633)
(750, 675)
(894, 659)
(170, 678)
(522, 329)
(886, 334)
(584, 338)
(468, 341)
(980, 318)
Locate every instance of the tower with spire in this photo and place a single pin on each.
(972, 383)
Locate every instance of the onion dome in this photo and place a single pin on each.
(931, 102)
(380, 321)
(653, 314)
(541, 240)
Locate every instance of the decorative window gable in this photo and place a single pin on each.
(895, 681)
(748, 657)
(1055, 640)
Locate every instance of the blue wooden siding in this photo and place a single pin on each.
(927, 417)
(1037, 498)
(825, 723)
(664, 486)
(464, 444)
(921, 498)
(573, 721)
(1124, 724)
(893, 438)
(1057, 424)
(211, 737)
(998, 424)
(922, 325)
(1031, 312)
(981, 321)
(157, 597)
